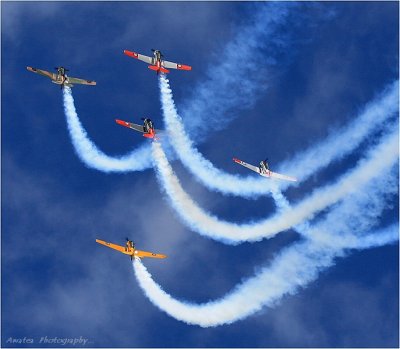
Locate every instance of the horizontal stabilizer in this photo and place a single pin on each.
(157, 69)
(149, 135)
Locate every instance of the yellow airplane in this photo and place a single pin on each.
(130, 250)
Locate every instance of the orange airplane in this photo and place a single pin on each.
(130, 250)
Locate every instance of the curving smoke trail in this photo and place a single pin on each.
(295, 266)
(378, 160)
(263, 30)
(299, 264)
(90, 155)
(245, 63)
(336, 146)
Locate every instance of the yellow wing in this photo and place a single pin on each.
(132, 252)
(142, 254)
(119, 248)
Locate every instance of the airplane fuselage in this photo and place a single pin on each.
(158, 65)
(60, 79)
(264, 168)
(265, 173)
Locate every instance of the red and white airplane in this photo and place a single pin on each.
(156, 62)
(147, 129)
(263, 170)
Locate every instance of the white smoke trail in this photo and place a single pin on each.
(296, 266)
(90, 155)
(336, 146)
(245, 62)
(378, 160)
(261, 29)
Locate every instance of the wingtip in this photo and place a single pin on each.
(131, 54)
(184, 67)
(121, 122)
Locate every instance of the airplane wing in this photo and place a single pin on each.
(113, 246)
(52, 76)
(269, 174)
(281, 176)
(140, 57)
(172, 65)
(143, 254)
(135, 127)
(245, 164)
(80, 81)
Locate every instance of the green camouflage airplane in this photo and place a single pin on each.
(61, 78)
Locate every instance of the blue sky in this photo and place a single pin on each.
(318, 65)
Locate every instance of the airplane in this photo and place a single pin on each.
(61, 78)
(130, 249)
(157, 63)
(147, 129)
(263, 170)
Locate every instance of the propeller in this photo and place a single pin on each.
(57, 68)
(161, 55)
(127, 239)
